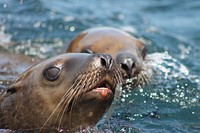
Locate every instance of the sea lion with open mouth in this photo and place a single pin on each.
(62, 93)
(128, 52)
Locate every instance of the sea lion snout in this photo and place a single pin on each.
(128, 64)
(106, 60)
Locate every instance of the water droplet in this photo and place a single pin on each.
(197, 80)
(37, 24)
(5, 5)
(123, 100)
(72, 28)
(192, 112)
(68, 18)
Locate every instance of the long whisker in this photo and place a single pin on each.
(62, 99)
(74, 104)
(143, 80)
(147, 78)
(72, 95)
(73, 98)
(118, 75)
(66, 105)
(66, 98)
(69, 99)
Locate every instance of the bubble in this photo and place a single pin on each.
(37, 24)
(197, 80)
(5, 5)
(123, 100)
(68, 18)
(193, 113)
(72, 28)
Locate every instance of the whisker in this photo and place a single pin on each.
(72, 95)
(147, 78)
(66, 105)
(62, 99)
(118, 76)
(139, 80)
(65, 97)
(74, 104)
(73, 98)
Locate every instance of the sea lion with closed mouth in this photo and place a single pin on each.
(65, 93)
(128, 52)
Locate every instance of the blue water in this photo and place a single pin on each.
(171, 103)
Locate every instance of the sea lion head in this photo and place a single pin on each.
(65, 92)
(127, 51)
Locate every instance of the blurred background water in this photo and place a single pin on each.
(171, 103)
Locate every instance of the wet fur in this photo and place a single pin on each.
(23, 107)
(114, 42)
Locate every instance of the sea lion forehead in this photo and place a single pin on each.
(106, 31)
(106, 36)
(63, 58)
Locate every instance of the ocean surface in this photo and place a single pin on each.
(171, 28)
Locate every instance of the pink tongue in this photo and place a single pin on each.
(103, 91)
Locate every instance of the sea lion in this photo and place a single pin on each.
(65, 93)
(128, 52)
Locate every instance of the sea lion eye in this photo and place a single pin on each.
(52, 73)
(87, 51)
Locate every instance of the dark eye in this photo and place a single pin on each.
(52, 73)
(87, 51)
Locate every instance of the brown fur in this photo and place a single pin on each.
(106, 40)
(115, 42)
(33, 103)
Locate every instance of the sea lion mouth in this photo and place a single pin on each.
(103, 89)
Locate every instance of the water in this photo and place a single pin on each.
(171, 103)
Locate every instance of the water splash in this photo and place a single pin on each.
(5, 39)
(167, 65)
(33, 48)
(172, 95)
(173, 82)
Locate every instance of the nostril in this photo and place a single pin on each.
(124, 67)
(133, 65)
(103, 61)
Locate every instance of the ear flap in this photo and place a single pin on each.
(7, 91)
(11, 90)
(15, 87)
(142, 48)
